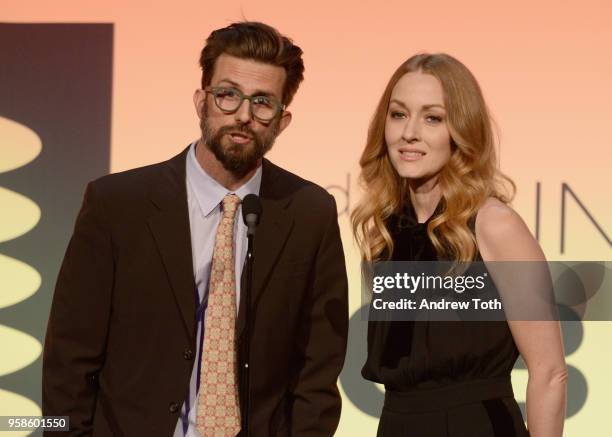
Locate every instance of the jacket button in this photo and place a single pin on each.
(187, 354)
(174, 407)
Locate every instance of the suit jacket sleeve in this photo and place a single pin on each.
(322, 338)
(78, 323)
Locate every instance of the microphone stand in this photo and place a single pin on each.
(247, 337)
(251, 210)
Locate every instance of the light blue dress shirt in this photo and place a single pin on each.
(204, 196)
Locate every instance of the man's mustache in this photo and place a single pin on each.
(237, 128)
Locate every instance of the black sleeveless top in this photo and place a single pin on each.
(431, 354)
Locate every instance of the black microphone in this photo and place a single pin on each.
(251, 211)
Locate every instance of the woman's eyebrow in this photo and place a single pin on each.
(429, 106)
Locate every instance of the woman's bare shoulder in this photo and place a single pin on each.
(502, 235)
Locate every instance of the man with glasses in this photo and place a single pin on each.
(146, 329)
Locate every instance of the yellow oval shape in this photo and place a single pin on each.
(19, 144)
(18, 350)
(19, 214)
(13, 404)
(18, 281)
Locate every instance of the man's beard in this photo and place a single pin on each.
(238, 159)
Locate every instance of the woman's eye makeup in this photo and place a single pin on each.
(398, 112)
(433, 119)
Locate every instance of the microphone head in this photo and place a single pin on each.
(251, 209)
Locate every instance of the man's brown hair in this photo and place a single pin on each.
(259, 42)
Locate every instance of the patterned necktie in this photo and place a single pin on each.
(218, 412)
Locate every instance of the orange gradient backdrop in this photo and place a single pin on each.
(545, 69)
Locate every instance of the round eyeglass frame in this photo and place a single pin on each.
(216, 90)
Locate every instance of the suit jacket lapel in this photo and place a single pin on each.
(170, 228)
(274, 227)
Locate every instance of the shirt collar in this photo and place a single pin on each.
(208, 192)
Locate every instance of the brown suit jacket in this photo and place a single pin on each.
(121, 338)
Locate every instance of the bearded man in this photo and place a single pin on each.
(146, 329)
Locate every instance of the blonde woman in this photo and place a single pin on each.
(433, 191)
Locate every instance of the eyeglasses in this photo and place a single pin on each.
(263, 108)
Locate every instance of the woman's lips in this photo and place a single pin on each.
(411, 155)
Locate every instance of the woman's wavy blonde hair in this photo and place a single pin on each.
(469, 177)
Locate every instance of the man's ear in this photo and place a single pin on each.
(284, 121)
(199, 96)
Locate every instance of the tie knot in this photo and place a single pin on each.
(230, 205)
